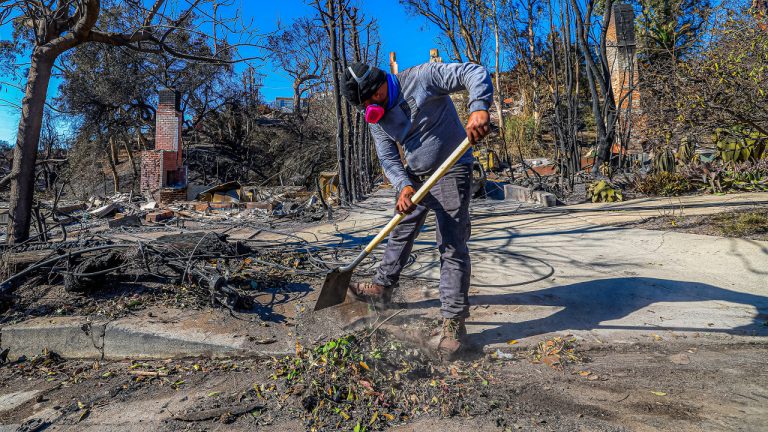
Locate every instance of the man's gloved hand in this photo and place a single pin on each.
(404, 203)
(478, 126)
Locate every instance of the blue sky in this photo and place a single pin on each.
(407, 35)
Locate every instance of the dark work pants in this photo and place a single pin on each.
(449, 199)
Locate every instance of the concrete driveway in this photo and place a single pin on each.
(567, 270)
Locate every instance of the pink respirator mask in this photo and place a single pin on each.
(374, 113)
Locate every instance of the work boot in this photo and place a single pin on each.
(452, 337)
(368, 291)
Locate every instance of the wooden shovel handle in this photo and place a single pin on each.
(421, 193)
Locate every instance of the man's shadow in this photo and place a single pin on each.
(593, 304)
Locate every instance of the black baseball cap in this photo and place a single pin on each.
(360, 81)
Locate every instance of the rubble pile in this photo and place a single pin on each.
(368, 381)
(227, 202)
(230, 200)
(206, 267)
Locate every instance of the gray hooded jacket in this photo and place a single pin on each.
(424, 121)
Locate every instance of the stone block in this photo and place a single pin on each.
(125, 220)
(545, 199)
(269, 206)
(159, 216)
(221, 205)
(524, 194)
(516, 193)
(140, 340)
(11, 401)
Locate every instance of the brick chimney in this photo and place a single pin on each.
(622, 57)
(163, 168)
(621, 51)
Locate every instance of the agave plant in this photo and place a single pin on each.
(738, 144)
(747, 177)
(604, 191)
(729, 177)
(686, 152)
(664, 160)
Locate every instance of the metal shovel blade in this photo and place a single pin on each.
(334, 289)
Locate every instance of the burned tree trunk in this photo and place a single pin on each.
(131, 160)
(297, 97)
(497, 94)
(328, 14)
(25, 152)
(142, 140)
(114, 150)
(565, 88)
(350, 172)
(598, 77)
(113, 169)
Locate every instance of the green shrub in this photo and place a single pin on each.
(664, 184)
(521, 131)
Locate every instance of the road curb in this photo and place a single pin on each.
(70, 337)
(79, 338)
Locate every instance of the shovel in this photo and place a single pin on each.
(334, 289)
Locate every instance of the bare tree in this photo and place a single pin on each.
(591, 38)
(299, 50)
(522, 34)
(361, 44)
(498, 96)
(328, 16)
(351, 37)
(47, 29)
(564, 82)
(463, 24)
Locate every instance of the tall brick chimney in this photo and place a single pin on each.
(621, 50)
(163, 167)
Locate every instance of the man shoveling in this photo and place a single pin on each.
(414, 110)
